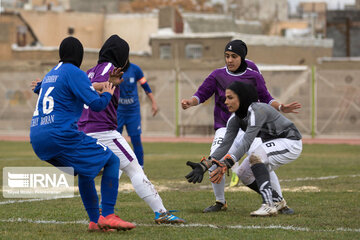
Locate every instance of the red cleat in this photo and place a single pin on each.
(114, 222)
(93, 227)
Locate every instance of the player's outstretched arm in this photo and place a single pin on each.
(109, 88)
(286, 108)
(291, 107)
(115, 76)
(154, 107)
(196, 175)
(35, 85)
(187, 103)
(223, 166)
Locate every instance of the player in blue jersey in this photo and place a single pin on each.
(102, 126)
(129, 107)
(237, 69)
(55, 137)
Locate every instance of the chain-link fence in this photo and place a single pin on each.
(330, 100)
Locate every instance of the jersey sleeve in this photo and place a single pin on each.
(81, 87)
(139, 76)
(264, 95)
(252, 65)
(256, 120)
(206, 89)
(104, 75)
(232, 129)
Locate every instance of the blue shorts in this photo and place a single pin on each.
(132, 123)
(87, 158)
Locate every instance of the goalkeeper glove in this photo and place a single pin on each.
(223, 166)
(196, 175)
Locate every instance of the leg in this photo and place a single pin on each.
(129, 164)
(110, 185)
(143, 187)
(146, 191)
(109, 191)
(89, 197)
(262, 178)
(138, 149)
(219, 189)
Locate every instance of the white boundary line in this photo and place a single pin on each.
(194, 225)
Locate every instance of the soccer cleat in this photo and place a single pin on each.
(234, 180)
(218, 206)
(93, 227)
(264, 210)
(114, 222)
(282, 208)
(280, 205)
(167, 217)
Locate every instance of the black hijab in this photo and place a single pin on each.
(247, 94)
(71, 51)
(116, 51)
(240, 48)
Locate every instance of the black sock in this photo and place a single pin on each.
(254, 186)
(262, 177)
(276, 197)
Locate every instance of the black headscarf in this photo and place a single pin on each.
(116, 51)
(247, 94)
(71, 51)
(240, 48)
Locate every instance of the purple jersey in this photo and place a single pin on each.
(217, 82)
(105, 120)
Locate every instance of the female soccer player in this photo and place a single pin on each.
(55, 137)
(237, 69)
(282, 142)
(102, 126)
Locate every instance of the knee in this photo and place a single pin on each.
(254, 159)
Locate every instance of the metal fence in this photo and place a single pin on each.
(330, 101)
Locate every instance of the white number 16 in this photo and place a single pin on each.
(48, 102)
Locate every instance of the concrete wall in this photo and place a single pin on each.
(132, 28)
(261, 49)
(52, 27)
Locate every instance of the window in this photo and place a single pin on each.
(193, 51)
(165, 51)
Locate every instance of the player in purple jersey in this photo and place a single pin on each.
(62, 94)
(236, 69)
(103, 126)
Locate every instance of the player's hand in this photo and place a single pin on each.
(291, 107)
(223, 166)
(108, 87)
(196, 175)
(154, 109)
(115, 76)
(34, 83)
(185, 103)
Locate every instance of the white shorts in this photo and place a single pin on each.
(117, 144)
(278, 152)
(219, 136)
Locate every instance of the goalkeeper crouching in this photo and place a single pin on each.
(282, 144)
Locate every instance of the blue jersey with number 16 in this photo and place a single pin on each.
(64, 91)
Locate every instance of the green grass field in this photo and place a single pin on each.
(322, 186)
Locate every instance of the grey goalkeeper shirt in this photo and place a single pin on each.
(262, 121)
